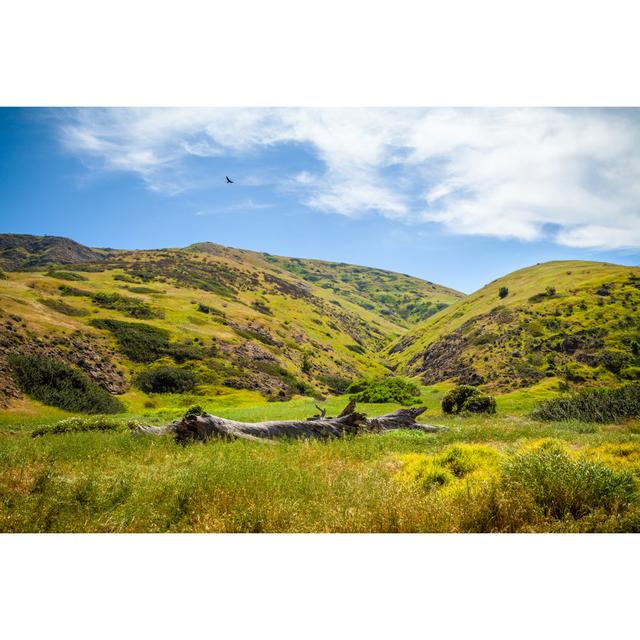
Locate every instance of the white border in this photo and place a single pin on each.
(311, 53)
(489, 53)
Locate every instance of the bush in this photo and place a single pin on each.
(3, 275)
(166, 380)
(58, 384)
(63, 307)
(612, 360)
(479, 403)
(503, 292)
(195, 410)
(630, 373)
(144, 343)
(66, 275)
(336, 384)
(593, 405)
(356, 348)
(377, 390)
(467, 398)
(129, 306)
(77, 425)
(576, 371)
(562, 486)
(66, 290)
(138, 341)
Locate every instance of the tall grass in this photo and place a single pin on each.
(113, 480)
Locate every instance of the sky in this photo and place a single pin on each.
(456, 196)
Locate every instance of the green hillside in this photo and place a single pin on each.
(236, 321)
(572, 320)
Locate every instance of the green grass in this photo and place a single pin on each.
(112, 480)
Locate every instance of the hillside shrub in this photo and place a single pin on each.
(378, 390)
(59, 384)
(166, 379)
(3, 275)
(63, 307)
(129, 306)
(465, 398)
(612, 360)
(593, 405)
(66, 275)
(503, 292)
(356, 348)
(576, 371)
(66, 290)
(138, 341)
(630, 373)
(337, 384)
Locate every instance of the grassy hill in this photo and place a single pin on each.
(234, 319)
(572, 320)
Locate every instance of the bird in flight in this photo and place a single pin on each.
(229, 181)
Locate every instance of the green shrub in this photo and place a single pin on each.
(66, 290)
(576, 371)
(356, 348)
(138, 341)
(144, 343)
(59, 384)
(562, 486)
(129, 306)
(337, 384)
(63, 307)
(467, 398)
(143, 290)
(630, 373)
(479, 403)
(77, 424)
(66, 275)
(593, 405)
(378, 390)
(195, 410)
(166, 380)
(612, 360)
(3, 275)
(503, 292)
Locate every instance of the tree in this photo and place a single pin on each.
(503, 292)
(206, 427)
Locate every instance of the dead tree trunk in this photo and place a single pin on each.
(205, 427)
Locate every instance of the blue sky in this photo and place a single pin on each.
(458, 197)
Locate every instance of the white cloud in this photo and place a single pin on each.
(245, 205)
(570, 176)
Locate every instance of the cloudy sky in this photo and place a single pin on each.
(455, 196)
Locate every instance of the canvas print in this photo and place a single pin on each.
(319, 320)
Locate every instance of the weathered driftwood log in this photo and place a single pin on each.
(206, 426)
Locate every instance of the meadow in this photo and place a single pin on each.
(483, 474)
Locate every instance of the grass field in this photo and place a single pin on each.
(500, 473)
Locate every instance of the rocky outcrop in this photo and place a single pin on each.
(80, 349)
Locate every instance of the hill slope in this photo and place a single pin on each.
(236, 319)
(575, 320)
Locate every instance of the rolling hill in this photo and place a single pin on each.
(577, 321)
(235, 319)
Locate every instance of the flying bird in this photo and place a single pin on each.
(229, 181)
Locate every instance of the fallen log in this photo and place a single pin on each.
(194, 428)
